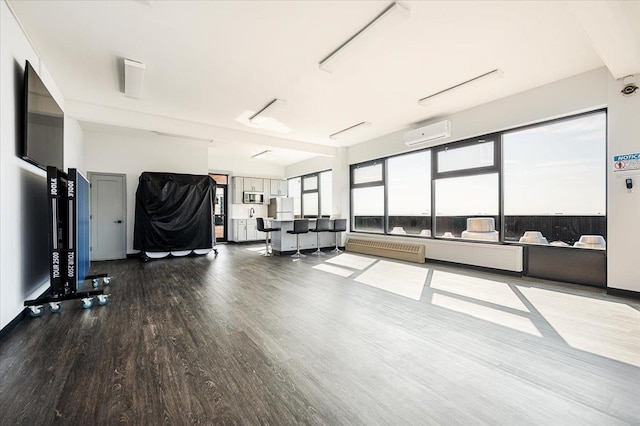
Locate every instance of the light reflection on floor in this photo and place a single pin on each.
(352, 261)
(334, 270)
(494, 292)
(606, 328)
(495, 316)
(601, 327)
(397, 278)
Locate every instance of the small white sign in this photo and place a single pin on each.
(626, 162)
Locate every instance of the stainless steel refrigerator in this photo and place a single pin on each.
(281, 208)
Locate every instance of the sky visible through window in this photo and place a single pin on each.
(554, 169)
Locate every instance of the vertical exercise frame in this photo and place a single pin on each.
(57, 186)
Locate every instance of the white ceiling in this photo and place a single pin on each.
(216, 62)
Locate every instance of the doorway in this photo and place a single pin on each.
(108, 216)
(220, 206)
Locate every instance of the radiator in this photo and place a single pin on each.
(401, 251)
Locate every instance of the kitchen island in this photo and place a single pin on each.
(282, 241)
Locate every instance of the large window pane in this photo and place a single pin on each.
(365, 174)
(461, 198)
(368, 209)
(326, 193)
(409, 194)
(555, 181)
(468, 157)
(310, 183)
(294, 188)
(310, 204)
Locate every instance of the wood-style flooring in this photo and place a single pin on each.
(245, 339)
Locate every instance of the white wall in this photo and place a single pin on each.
(23, 195)
(576, 94)
(243, 166)
(132, 155)
(623, 208)
(73, 145)
(312, 165)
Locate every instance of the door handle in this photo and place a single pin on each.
(117, 221)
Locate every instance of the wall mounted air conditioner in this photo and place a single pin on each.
(430, 133)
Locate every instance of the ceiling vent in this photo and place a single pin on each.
(430, 133)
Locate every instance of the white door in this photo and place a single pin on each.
(108, 216)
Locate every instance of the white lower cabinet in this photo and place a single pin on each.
(246, 230)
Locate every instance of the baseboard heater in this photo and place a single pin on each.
(400, 251)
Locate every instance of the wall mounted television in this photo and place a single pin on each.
(43, 142)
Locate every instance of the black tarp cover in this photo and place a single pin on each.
(173, 212)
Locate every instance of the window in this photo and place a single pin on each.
(409, 194)
(555, 180)
(467, 157)
(326, 193)
(467, 189)
(467, 197)
(312, 194)
(368, 209)
(294, 189)
(367, 197)
(367, 173)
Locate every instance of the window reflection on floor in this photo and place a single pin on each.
(601, 327)
(495, 316)
(397, 278)
(605, 328)
(494, 292)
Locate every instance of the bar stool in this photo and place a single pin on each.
(322, 225)
(339, 225)
(300, 226)
(267, 231)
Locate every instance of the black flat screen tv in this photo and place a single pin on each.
(44, 124)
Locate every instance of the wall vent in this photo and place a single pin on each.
(400, 251)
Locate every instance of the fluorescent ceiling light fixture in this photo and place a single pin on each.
(495, 73)
(348, 129)
(174, 135)
(394, 9)
(257, 119)
(262, 154)
(133, 78)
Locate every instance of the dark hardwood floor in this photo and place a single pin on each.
(244, 339)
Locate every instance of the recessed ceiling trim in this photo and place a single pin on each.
(348, 129)
(494, 73)
(256, 119)
(392, 9)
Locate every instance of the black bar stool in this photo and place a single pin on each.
(300, 226)
(322, 225)
(267, 231)
(339, 225)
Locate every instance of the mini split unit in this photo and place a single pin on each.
(426, 134)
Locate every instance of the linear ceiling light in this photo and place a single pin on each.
(262, 154)
(394, 8)
(175, 135)
(495, 73)
(256, 119)
(133, 78)
(348, 129)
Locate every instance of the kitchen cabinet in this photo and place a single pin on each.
(246, 230)
(253, 184)
(278, 188)
(238, 189)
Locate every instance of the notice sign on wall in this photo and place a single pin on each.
(626, 162)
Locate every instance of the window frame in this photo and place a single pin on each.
(497, 167)
(316, 190)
